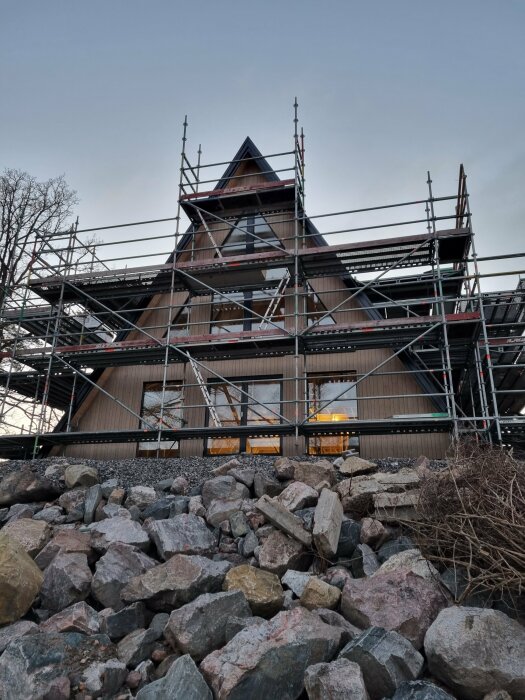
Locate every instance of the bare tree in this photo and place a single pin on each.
(32, 213)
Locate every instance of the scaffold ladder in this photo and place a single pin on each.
(207, 398)
(274, 302)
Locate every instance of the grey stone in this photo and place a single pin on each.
(79, 617)
(73, 503)
(108, 486)
(183, 680)
(54, 515)
(93, 498)
(140, 496)
(25, 486)
(67, 541)
(263, 484)
(284, 468)
(314, 473)
(219, 510)
(16, 630)
(179, 486)
(118, 624)
(115, 569)
(337, 576)
(104, 678)
(183, 534)
(297, 495)
(399, 544)
(179, 505)
(269, 660)
(164, 485)
(159, 622)
(249, 543)
(20, 511)
(338, 680)
(413, 560)
(32, 535)
(135, 513)
(475, 651)
(118, 529)
(112, 510)
(178, 581)
(67, 580)
(199, 627)
(223, 488)
(331, 617)
(136, 646)
(245, 476)
(422, 690)
(80, 475)
(295, 581)
(278, 553)
(30, 666)
(386, 659)
(328, 519)
(159, 510)
(239, 524)
(307, 516)
(234, 625)
(363, 561)
(349, 538)
(281, 518)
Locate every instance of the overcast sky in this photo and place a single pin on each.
(388, 89)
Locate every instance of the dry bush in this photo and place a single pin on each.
(471, 517)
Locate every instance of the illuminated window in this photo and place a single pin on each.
(332, 399)
(151, 414)
(257, 406)
(251, 234)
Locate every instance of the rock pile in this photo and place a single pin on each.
(298, 582)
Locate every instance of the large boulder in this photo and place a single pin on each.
(423, 690)
(315, 473)
(337, 680)
(397, 600)
(20, 580)
(183, 680)
(279, 553)
(221, 509)
(183, 534)
(137, 646)
(178, 581)
(114, 569)
(33, 535)
(199, 627)
(118, 624)
(79, 617)
(262, 589)
(141, 496)
(223, 488)
(413, 560)
(30, 666)
(269, 660)
(67, 580)
(476, 650)
(67, 541)
(354, 465)
(386, 659)
(118, 529)
(297, 495)
(328, 518)
(80, 475)
(25, 486)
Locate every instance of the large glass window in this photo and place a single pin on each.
(331, 399)
(251, 234)
(235, 408)
(316, 311)
(229, 317)
(151, 414)
(179, 327)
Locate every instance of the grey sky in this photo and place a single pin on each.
(387, 89)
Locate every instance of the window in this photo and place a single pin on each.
(235, 408)
(229, 317)
(316, 311)
(331, 399)
(171, 417)
(180, 325)
(251, 234)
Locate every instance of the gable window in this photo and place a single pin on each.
(235, 408)
(316, 311)
(151, 413)
(332, 398)
(251, 234)
(229, 317)
(180, 327)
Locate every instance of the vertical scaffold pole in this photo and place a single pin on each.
(447, 373)
(296, 275)
(172, 287)
(488, 358)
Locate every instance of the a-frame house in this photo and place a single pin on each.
(256, 337)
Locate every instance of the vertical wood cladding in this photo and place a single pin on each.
(99, 412)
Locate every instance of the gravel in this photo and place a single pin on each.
(148, 472)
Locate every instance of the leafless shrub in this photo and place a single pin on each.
(471, 517)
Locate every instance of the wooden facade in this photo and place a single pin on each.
(99, 412)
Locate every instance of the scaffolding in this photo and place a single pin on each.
(418, 294)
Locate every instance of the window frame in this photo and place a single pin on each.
(163, 453)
